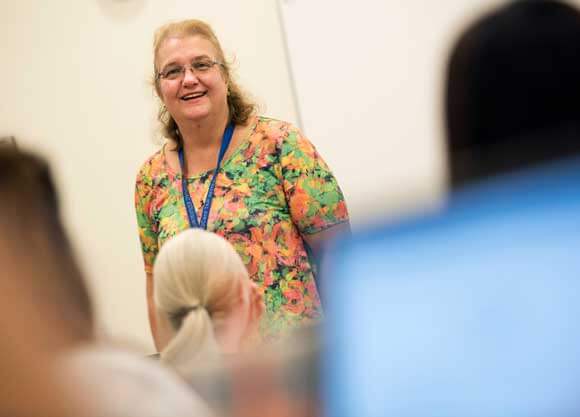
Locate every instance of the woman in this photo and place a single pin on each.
(206, 304)
(272, 196)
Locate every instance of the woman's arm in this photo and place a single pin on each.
(317, 241)
(151, 310)
(315, 200)
(148, 240)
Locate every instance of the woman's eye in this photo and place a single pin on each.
(172, 72)
(202, 66)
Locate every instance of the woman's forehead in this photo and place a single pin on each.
(184, 48)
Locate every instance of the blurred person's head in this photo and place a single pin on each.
(206, 303)
(45, 307)
(513, 90)
(193, 43)
(31, 226)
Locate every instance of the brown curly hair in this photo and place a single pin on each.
(239, 105)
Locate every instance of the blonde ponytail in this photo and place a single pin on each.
(195, 343)
(196, 274)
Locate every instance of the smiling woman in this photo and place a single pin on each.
(256, 181)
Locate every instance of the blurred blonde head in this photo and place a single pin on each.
(206, 303)
(239, 105)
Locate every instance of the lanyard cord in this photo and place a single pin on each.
(191, 213)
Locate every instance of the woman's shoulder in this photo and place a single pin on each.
(275, 129)
(274, 124)
(104, 372)
(154, 166)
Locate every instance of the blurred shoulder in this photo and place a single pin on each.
(121, 383)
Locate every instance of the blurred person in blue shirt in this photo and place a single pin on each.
(473, 310)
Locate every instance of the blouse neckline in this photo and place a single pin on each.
(240, 147)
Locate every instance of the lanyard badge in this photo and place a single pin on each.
(191, 213)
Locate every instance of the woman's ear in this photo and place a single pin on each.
(256, 309)
(244, 296)
(256, 301)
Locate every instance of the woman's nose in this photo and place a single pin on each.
(189, 76)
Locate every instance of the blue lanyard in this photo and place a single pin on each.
(191, 214)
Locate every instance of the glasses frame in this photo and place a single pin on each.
(162, 75)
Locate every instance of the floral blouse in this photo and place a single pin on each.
(272, 190)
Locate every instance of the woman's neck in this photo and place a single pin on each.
(203, 135)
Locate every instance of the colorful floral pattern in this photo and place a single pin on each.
(272, 190)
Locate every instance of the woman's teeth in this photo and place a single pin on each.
(192, 96)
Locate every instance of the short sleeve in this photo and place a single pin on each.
(315, 200)
(145, 220)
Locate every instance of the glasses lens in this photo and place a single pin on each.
(199, 66)
(173, 73)
(202, 65)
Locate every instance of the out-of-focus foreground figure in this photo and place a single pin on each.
(513, 90)
(50, 365)
(279, 380)
(207, 306)
(45, 307)
(472, 311)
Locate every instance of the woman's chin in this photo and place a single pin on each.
(193, 114)
(197, 116)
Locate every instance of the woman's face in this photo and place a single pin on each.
(192, 96)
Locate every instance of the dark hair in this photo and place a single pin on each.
(513, 90)
(31, 225)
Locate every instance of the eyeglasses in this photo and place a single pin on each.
(197, 67)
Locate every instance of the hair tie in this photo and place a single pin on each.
(177, 317)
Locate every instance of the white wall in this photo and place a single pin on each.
(369, 77)
(74, 87)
